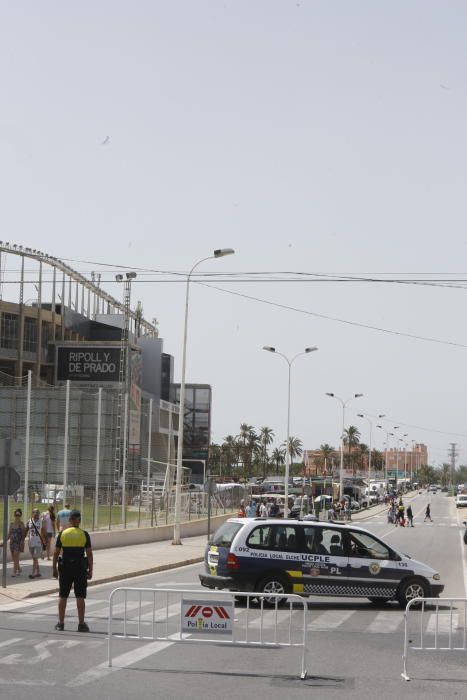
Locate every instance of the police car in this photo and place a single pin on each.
(313, 558)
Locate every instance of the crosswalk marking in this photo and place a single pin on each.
(444, 623)
(385, 622)
(330, 620)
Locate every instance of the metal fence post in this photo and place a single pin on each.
(98, 463)
(65, 441)
(27, 443)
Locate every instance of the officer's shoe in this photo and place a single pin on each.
(60, 626)
(82, 627)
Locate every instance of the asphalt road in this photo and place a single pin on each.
(355, 649)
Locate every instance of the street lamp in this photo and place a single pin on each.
(290, 362)
(341, 470)
(220, 253)
(386, 445)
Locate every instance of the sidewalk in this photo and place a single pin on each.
(109, 565)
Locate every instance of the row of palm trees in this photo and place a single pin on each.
(250, 452)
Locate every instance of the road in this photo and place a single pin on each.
(355, 648)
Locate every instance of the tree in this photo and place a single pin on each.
(445, 475)
(266, 436)
(351, 439)
(326, 452)
(364, 453)
(249, 441)
(278, 457)
(295, 447)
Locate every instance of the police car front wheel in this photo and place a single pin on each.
(410, 589)
(276, 584)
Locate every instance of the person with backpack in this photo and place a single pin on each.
(410, 516)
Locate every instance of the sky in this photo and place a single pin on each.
(311, 137)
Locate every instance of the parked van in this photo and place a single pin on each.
(312, 558)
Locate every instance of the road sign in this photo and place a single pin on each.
(10, 452)
(9, 481)
(207, 616)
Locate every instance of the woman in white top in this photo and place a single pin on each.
(34, 527)
(48, 527)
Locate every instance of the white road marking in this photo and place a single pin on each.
(39, 649)
(444, 623)
(330, 620)
(35, 682)
(119, 663)
(8, 642)
(385, 623)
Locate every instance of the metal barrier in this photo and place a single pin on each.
(189, 616)
(442, 631)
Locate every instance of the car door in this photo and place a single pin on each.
(373, 571)
(324, 560)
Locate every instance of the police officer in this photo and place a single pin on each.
(72, 565)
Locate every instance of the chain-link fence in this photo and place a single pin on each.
(69, 442)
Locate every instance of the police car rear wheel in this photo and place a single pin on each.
(408, 590)
(273, 584)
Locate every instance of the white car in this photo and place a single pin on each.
(461, 500)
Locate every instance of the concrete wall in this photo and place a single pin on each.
(143, 535)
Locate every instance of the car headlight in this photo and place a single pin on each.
(436, 577)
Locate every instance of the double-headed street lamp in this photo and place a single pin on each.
(341, 470)
(370, 423)
(290, 362)
(222, 252)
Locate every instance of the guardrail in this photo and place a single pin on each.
(441, 632)
(214, 617)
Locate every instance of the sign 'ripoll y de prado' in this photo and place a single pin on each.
(88, 363)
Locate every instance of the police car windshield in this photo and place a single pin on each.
(223, 537)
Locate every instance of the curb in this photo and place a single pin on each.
(121, 577)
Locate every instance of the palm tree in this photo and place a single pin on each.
(278, 457)
(230, 451)
(266, 436)
(351, 438)
(295, 447)
(326, 452)
(364, 451)
(244, 438)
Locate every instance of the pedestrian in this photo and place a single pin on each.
(263, 510)
(410, 516)
(73, 564)
(428, 514)
(49, 527)
(251, 509)
(331, 513)
(36, 541)
(241, 510)
(400, 513)
(63, 517)
(16, 535)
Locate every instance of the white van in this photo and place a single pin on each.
(313, 558)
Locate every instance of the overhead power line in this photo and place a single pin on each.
(334, 318)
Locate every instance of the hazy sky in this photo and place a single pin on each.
(310, 136)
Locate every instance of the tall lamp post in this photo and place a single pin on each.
(386, 445)
(370, 423)
(290, 362)
(222, 252)
(341, 470)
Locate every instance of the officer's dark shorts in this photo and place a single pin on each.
(73, 574)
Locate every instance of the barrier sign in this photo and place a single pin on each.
(207, 617)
